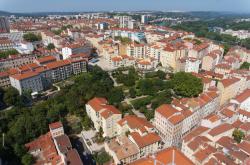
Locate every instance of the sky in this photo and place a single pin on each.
(124, 5)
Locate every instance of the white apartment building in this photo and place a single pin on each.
(25, 48)
(27, 81)
(69, 50)
(188, 64)
(103, 116)
(175, 120)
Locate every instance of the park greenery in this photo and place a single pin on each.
(22, 124)
(152, 89)
(186, 85)
(6, 53)
(31, 37)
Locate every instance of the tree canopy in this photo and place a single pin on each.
(238, 135)
(6, 53)
(23, 124)
(186, 85)
(50, 46)
(245, 65)
(31, 37)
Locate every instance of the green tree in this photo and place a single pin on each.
(27, 159)
(31, 37)
(102, 158)
(86, 122)
(50, 46)
(116, 96)
(238, 135)
(11, 96)
(132, 92)
(245, 65)
(6, 53)
(186, 85)
(161, 74)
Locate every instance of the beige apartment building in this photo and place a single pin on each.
(228, 88)
(170, 56)
(211, 60)
(122, 150)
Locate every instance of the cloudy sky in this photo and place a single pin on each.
(107, 5)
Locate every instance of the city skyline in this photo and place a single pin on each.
(128, 5)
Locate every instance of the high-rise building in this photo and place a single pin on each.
(144, 19)
(4, 25)
(126, 22)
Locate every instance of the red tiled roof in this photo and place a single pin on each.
(97, 103)
(46, 59)
(25, 75)
(243, 96)
(220, 129)
(58, 64)
(135, 122)
(46, 147)
(73, 158)
(166, 110)
(109, 111)
(146, 140)
(55, 125)
(244, 113)
(245, 126)
(228, 82)
(165, 157)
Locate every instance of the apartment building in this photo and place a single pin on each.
(103, 116)
(122, 150)
(188, 64)
(121, 61)
(228, 88)
(45, 71)
(6, 44)
(154, 51)
(242, 100)
(71, 49)
(146, 64)
(141, 132)
(134, 35)
(50, 38)
(211, 60)
(170, 55)
(4, 80)
(136, 50)
(15, 61)
(26, 82)
(175, 120)
(4, 25)
(167, 156)
(199, 51)
(169, 123)
(54, 148)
